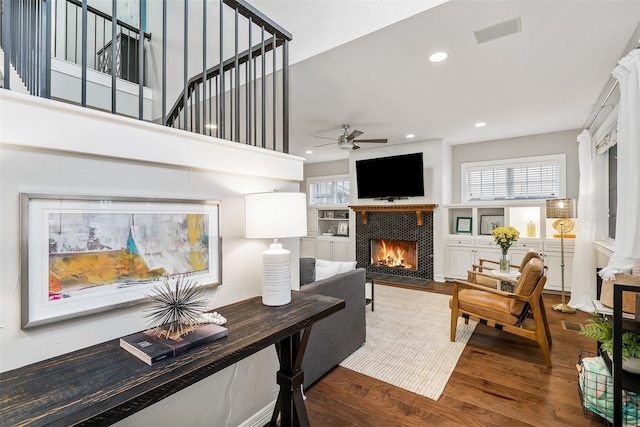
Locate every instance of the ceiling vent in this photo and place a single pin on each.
(497, 31)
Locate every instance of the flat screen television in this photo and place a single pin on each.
(391, 177)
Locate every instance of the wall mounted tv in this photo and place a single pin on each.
(391, 177)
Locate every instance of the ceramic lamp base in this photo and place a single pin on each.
(564, 308)
(276, 276)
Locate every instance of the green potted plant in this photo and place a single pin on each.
(600, 328)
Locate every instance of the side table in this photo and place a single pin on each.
(506, 286)
(368, 301)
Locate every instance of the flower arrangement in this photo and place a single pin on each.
(505, 236)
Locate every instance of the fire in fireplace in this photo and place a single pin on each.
(394, 253)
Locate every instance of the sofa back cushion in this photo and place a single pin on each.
(326, 269)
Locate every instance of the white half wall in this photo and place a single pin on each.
(51, 147)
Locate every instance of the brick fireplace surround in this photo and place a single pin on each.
(397, 222)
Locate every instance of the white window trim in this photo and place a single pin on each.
(325, 178)
(562, 171)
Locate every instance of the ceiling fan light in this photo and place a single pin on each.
(347, 145)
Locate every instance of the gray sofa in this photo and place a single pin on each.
(337, 336)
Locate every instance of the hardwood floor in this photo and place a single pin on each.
(500, 380)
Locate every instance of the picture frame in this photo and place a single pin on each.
(463, 225)
(343, 228)
(490, 222)
(86, 254)
(328, 214)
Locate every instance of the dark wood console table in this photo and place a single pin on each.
(103, 383)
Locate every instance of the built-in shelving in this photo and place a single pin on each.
(327, 233)
(469, 239)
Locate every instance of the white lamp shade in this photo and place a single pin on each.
(275, 215)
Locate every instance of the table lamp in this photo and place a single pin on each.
(275, 215)
(563, 210)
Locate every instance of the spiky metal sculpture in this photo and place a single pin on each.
(176, 310)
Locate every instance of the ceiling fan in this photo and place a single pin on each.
(347, 141)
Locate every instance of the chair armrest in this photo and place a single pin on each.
(510, 295)
(482, 261)
(490, 261)
(493, 276)
(457, 282)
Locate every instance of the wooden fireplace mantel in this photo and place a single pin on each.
(364, 210)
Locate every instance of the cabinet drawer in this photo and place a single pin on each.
(486, 243)
(554, 245)
(527, 245)
(461, 241)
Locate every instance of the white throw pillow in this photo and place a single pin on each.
(325, 268)
(347, 266)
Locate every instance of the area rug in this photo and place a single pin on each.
(408, 342)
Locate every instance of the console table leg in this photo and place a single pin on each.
(290, 378)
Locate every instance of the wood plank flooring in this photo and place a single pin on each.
(500, 380)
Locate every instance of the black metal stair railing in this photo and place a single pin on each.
(240, 96)
(26, 43)
(68, 45)
(238, 99)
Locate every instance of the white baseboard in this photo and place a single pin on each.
(260, 418)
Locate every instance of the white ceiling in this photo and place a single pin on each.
(546, 78)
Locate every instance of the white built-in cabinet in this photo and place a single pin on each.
(467, 247)
(327, 233)
(308, 243)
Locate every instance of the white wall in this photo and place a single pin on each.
(49, 147)
(524, 146)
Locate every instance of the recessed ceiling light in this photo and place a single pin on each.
(438, 56)
(211, 126)
(480, 124)
(308, 152)
(409, 135)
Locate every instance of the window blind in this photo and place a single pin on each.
(519, 181)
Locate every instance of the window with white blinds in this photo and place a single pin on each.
(514, 179)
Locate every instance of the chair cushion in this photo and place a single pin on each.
(525, 260)
(483, 280)
(486, 305)
(529, 278)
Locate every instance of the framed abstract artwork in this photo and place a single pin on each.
(85, 254)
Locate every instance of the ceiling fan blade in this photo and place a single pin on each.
(324, 145)
(322, 137)
(354, 134)
(355, 147)
(371, 140)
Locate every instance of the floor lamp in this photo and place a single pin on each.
(562, 210)
(275, 215)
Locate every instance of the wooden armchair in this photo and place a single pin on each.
(520, 313)
(486, 265)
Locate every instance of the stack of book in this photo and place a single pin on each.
(153, 345)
